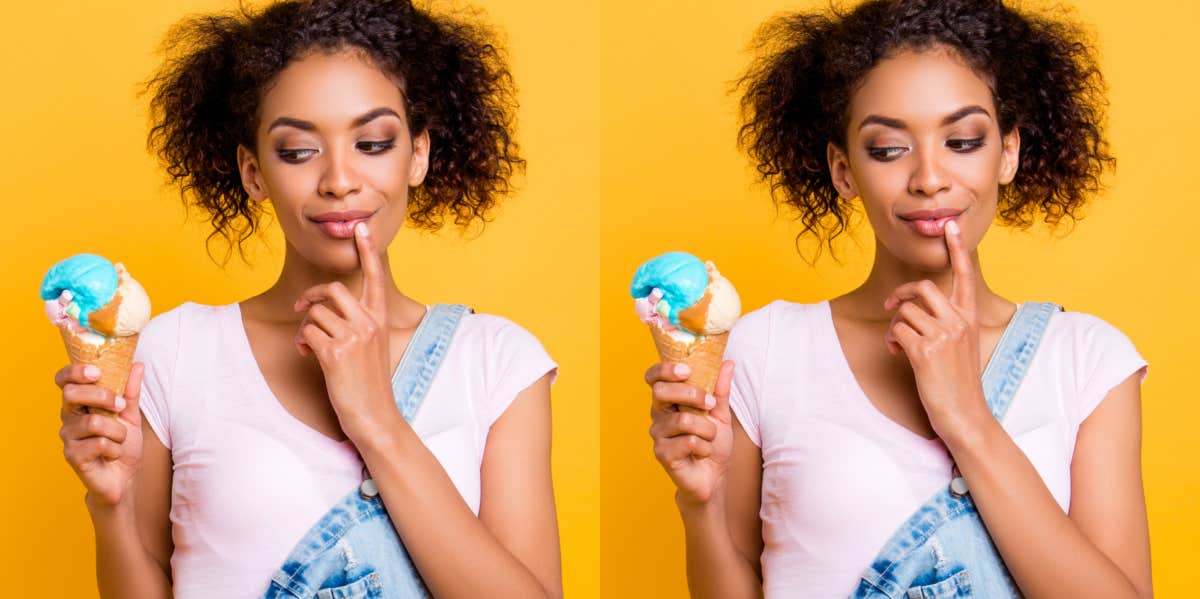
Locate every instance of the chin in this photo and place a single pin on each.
(342, 259)
(928, 257)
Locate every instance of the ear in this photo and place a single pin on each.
(420, 159)
(1010, 157)
(252, 179)
(839, 172)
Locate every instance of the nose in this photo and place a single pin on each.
(339, 178)
(928, 177)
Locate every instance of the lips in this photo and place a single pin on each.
(930, 223)
(340, 225)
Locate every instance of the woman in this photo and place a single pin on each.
(248, 430)
(849, 436)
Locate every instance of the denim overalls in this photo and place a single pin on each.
(944, 550)
(354, 550)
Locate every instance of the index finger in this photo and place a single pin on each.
(76, 373)
(668, 371)
(962, 292)
(372, 267)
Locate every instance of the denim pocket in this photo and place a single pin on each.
(957, 586)
(367, 587)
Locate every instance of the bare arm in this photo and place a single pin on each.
(511, 549)
(718, 473)
(1103, 548)
(724, 536)
(133, 540)
(128, 486)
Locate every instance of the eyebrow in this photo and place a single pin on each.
(367, 117)
(951, 118)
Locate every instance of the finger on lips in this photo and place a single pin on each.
(372, 267)
(963, 292)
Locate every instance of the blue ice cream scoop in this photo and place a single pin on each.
(680, 276)
(91, 279)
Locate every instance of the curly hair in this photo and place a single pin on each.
(1042, 72)
(207, 93)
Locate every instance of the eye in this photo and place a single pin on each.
(964, 145)
(886, 153)
(376, 147)
(294, 156)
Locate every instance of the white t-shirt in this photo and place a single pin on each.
(839, 477)
(250, 479)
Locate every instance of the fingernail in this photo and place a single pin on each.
(710, 400)
(91, 372)
(362, 229)
(120, 403)
(952, 227)
(682, 370)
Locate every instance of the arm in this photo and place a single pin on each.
(133, 539)
(1103, 548)
(128, 486)
(457, 554)
(718, 472)
(511, 549)
(724, 536)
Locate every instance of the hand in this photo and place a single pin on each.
(349, 337)
(940, 338)
(692, 446)
(104, 447)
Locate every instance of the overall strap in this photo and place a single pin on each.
(424, 355)
(1013, 354)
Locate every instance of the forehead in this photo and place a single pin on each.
(330, 89)
(920, 85)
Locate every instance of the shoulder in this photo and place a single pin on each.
(1096, 354)
(1082, 334)
(495, 333)
(757, 329)
(169, 328)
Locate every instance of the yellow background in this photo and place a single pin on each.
(76, 178)
(672, 179)
(629, 134)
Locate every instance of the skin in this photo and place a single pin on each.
(918, 333)
(327, 336)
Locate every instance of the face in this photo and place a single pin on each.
(333, 148)
(923, 146)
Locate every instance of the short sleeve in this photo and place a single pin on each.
(157, 349)
(747, 349)
(1105, 357)
(514, 359)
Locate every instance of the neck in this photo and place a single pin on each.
(889, 272)
(298, 275)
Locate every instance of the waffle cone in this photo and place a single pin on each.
(703, 356)
(114, 358)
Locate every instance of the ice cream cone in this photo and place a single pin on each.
(113, 358)
(703, 356)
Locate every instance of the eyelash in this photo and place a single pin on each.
(371, 148)
(890, 153)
